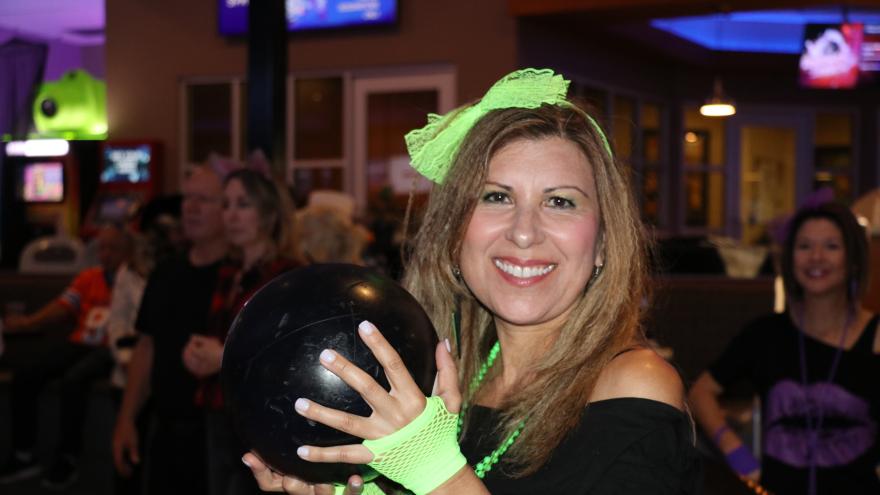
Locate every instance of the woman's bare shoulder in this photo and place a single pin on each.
(640, 373)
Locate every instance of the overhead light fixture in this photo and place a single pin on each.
(718, 105)
(38, 147)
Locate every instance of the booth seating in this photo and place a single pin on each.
(28, 292)
(53, 255)
(25, 293)
(697, 316)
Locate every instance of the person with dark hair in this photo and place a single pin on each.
(175, 304)
(813, 366)
(162, 231)
(258, 223)
(75, 363)
(530, 263)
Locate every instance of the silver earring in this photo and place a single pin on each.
(456, 271)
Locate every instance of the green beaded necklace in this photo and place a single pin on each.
(490, 460)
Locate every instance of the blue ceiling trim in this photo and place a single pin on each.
(770, 31)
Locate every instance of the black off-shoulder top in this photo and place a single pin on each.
(621, 446)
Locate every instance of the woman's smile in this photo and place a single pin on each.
(524, 273)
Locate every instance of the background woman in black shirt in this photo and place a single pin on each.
(815, 368)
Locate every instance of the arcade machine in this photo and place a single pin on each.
(44, 191)
(48, 178)
(130, 176)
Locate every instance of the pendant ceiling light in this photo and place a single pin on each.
(718, 105)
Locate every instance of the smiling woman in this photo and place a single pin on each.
(530, 263)
(538, 189)
(813, 367)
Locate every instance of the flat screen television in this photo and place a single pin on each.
(304, 15)
(830, 55)
(42, 182)
(126, 164)
(840, 56)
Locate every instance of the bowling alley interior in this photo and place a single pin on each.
(727, 117)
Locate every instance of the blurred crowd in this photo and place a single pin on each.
(151, 320)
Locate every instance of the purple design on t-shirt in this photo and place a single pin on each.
(847, 428)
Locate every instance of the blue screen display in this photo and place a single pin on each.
(304, 15)
(128, 164)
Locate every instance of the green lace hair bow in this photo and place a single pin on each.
(433, 147)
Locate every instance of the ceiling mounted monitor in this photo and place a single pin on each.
(840, 56)
(830, 56)
(306, 15)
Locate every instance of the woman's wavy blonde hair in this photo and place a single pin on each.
(605, 320)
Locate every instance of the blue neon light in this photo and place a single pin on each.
(770, 31)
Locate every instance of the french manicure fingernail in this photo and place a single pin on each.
(302, 452)
(448, 346)
(356, 483)
(366, 327)
(328, 356)
(301, 405)
(245, 462)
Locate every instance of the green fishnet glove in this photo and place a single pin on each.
(369, 489)
(423, 454)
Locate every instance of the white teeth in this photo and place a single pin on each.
(524, 271)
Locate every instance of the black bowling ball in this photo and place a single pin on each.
(271, 359)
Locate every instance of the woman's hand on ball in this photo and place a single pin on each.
(392, 410)
(270, 481)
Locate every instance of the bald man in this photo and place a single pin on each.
(175, 305)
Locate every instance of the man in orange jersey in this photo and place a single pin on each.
(76, 362)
